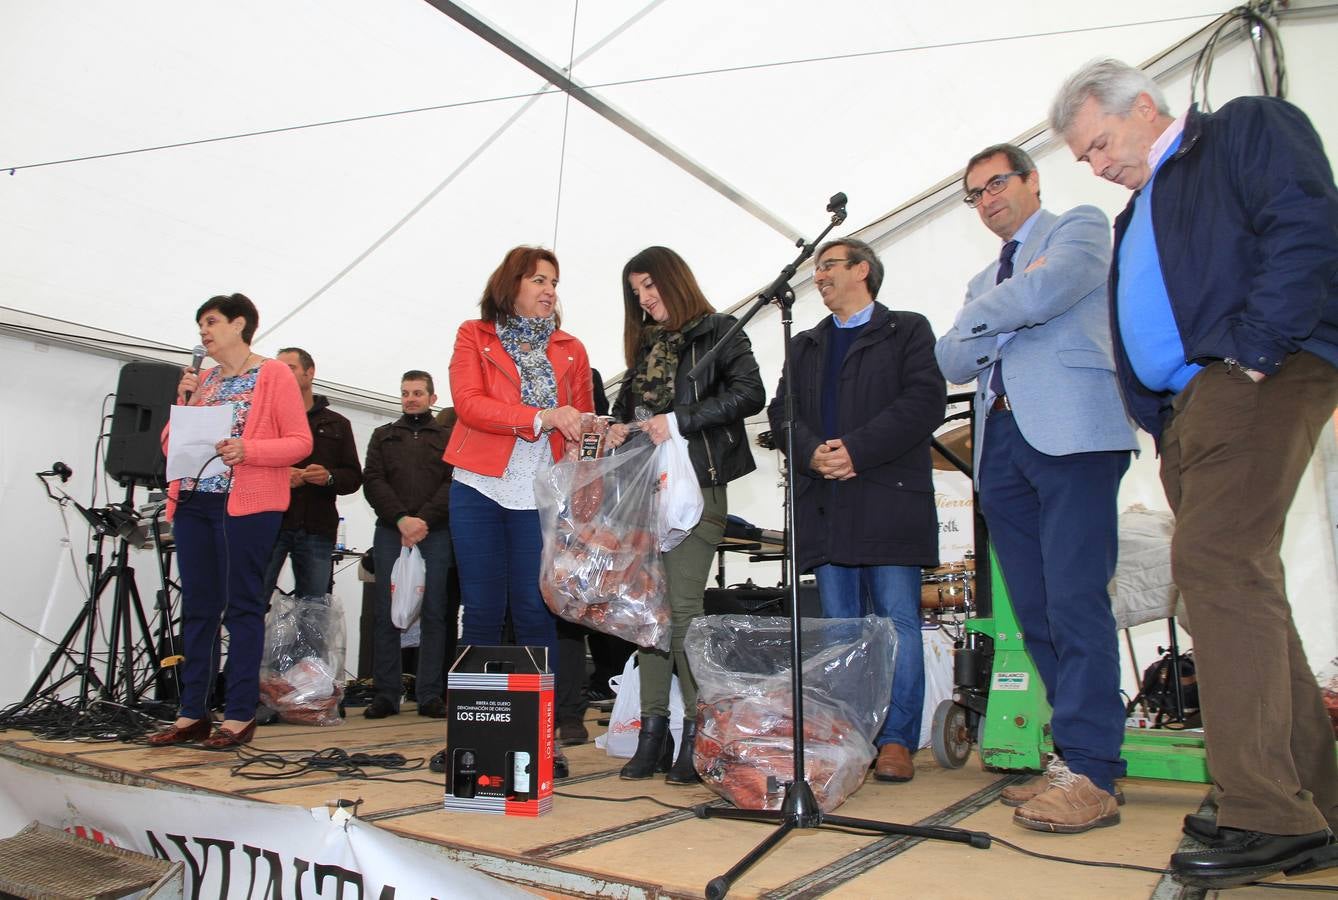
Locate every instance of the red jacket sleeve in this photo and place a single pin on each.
(583, 392)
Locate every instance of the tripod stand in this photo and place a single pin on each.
(800, 808)
(117, 683)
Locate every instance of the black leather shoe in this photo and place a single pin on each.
(1239, 857)
(1203, 828)
(433, 708)
(600, 698)
(380, 707)
(561, 769)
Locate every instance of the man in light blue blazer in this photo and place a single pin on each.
(1051, 444)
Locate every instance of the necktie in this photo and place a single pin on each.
(1005, 272)
(1006, 262)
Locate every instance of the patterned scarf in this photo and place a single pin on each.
(538, 387)
(653, 384)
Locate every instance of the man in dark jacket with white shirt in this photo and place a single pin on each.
(311, 523)
(1225, 323)
(868, 396)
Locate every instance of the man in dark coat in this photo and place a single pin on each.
(311, 524)
(868, 395)
(407, 484)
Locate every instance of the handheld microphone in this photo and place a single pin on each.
(196, 360)
(838, 202)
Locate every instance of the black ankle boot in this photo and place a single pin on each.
(561, 768)
(684, 770)
(653, 750)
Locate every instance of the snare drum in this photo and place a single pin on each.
(949, 587)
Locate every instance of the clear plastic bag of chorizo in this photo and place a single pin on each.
(601, 564)
(745, 719)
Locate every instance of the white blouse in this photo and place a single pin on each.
(514, 489)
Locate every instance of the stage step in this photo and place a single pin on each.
(44, 863)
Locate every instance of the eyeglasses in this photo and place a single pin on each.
(992, 187)
(828, 264)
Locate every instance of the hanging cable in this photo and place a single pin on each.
(566, 114)
(1257, 19)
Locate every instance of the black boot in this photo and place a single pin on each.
(561, 768)
(653, 750)
(684, 770)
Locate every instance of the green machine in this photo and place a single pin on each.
(999, 703)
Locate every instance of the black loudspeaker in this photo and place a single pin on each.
(144, 397)
(760, 601)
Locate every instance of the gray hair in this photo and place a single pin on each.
(1114, 85)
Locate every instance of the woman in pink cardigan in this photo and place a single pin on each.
(225, 525)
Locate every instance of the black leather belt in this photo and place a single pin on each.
(1000, 404)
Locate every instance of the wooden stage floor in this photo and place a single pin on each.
(593, 847)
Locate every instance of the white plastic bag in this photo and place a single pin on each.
(407, 581)
(681, 502)
(625, 720)
(939, 683)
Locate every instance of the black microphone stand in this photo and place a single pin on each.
(800, 807)
(119, 681)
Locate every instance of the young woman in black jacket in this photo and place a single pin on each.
(669, 327)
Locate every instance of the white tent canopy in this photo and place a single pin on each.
(359, 168)
(785, 102)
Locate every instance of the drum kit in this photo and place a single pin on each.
(948, 592)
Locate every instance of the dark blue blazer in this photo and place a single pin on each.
(892, 397)
(1246, 219)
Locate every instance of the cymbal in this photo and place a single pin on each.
(957, 440)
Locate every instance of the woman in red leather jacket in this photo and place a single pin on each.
(519, 385)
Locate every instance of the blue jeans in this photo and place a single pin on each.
(387, 667)
(1053, 524)
(892, 592)
(498, 552)
(222, 560)
(313, 562)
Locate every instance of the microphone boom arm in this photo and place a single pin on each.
(778, 292)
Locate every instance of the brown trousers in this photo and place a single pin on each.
(1233, 454)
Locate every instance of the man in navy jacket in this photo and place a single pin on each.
(1225, 321)
(868, 396)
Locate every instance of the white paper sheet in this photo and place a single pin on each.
(195, 432)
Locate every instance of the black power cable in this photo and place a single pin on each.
(1256, 18)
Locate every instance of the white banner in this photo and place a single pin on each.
(242, 848)
(956, 516)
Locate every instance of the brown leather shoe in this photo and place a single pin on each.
(1020, 794)
(571, 732)
(172, 735)
(894, 764)
(1071, 805)
(222, 739)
